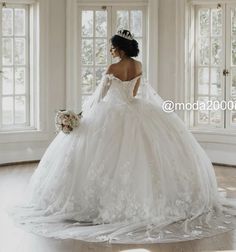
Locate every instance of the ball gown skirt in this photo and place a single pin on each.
(130, 173)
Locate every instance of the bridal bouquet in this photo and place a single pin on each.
(67, 121)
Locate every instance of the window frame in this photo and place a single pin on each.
(196, 57)
(111, 29)
(228, 118)
(39, 16)
(18, 126)
(191, 70)
(93, 66)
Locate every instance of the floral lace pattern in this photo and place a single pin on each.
(130, 173)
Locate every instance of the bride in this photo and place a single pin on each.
(130, 173)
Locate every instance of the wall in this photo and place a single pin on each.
(55, 89)
(57, 57)
(166, 49)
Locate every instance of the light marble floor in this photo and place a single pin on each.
(13, 180)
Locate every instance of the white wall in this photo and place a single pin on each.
(57, 57)
(33, 150)
(167, 49)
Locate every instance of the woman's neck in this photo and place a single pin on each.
(122, 58)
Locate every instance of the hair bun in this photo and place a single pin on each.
(128, 45)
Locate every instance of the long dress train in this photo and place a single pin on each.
(130, 173)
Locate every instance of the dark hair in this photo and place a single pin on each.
(130, 47)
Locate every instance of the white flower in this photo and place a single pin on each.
(66, 121)
(66, 129)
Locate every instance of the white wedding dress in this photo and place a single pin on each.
(130, 173)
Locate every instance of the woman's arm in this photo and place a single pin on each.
(136, 87)
(135, 91)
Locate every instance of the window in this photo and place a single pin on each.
(94, 48)
(214, 64)
(131, 19)
(98, 24)
(15, 67)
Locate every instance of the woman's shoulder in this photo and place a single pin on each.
(113, 67)
(110, 69)
(138, 62)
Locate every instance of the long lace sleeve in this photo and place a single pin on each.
(148, 93)
(98, 95)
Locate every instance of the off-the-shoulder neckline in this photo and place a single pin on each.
(112, 75)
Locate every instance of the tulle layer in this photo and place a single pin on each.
(130, 173)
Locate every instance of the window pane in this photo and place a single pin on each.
(136, 22)
(203, 115)
(101, 51)
(7, 51)
(87, 80)
(215, 81)
(209, 44)
(19, 29)
(99, 73)
(7, 81)
(204, 22)
(19, 51)
(216, 51)
(87, 23)
(216, 16)
(233, 117)
(216, 115)
(15, 51)
(20, 113)
(204, 51)
(233, 113)
(233, 55)
(95, 42)
(94, 48)
(203, 81)
(7, 110)
(20, 80)
(122, 20)
(7, 22)
(101, 24)
(233, 22)
(233, 82)
(87, 51)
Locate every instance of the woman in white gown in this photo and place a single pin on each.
(130, 173)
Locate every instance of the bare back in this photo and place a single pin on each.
(126, 69)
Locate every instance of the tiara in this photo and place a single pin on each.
(125, 34)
